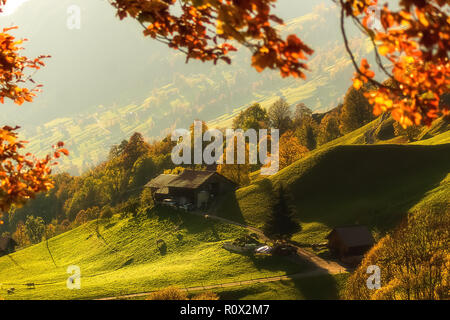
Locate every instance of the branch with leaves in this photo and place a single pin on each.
(204, 29)
(414, 39)
(21, 175)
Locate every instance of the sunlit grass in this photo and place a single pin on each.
(131, 261)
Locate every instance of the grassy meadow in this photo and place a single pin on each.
(124, 258)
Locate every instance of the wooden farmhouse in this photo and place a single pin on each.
(350, 243)
(196, 187)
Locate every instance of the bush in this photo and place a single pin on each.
(92, 213)
(173, 293)
(131, 206)
(106, 213)
(170, 293)
(414, 260)
(63, 226)
(81, 218)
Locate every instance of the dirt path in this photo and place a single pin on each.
(230, 284)
(332, 267)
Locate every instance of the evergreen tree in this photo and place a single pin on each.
(282, 223)
(307, 133)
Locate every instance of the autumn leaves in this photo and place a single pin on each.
(13, 69)
(21, 175)
(415, 42)
(204, 29)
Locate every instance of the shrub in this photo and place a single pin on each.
(92, 213)
(170, 293)
(130, 206)
(173, 293)
(106, 213)
(81, 218)
(63, 226)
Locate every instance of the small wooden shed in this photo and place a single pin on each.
(350, 241)
(7, 245)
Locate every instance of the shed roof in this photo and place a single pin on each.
(188, 179)
(354, 236)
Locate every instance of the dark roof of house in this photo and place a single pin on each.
(188, 179)
(6, 242)
(354, 236)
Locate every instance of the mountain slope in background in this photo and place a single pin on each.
(99, 88)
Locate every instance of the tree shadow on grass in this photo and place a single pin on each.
(228, 208)
(277, 263)
(317, 287)
(239, 293)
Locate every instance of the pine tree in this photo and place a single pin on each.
(282, 223)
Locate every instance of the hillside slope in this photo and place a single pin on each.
(125, 258)
(346, 184)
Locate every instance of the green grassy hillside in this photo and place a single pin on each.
(347, 184)
(125, 259)
(318, 287)
(346, 181)
(311, 288)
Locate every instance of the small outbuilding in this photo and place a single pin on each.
(7, 245)
(350, 243)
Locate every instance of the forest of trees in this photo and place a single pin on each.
(413, 38)
(116, 185)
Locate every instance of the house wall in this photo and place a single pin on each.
(345, 253)
(217, 185)
(358, 251)
(336, 246)
(181, 195)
